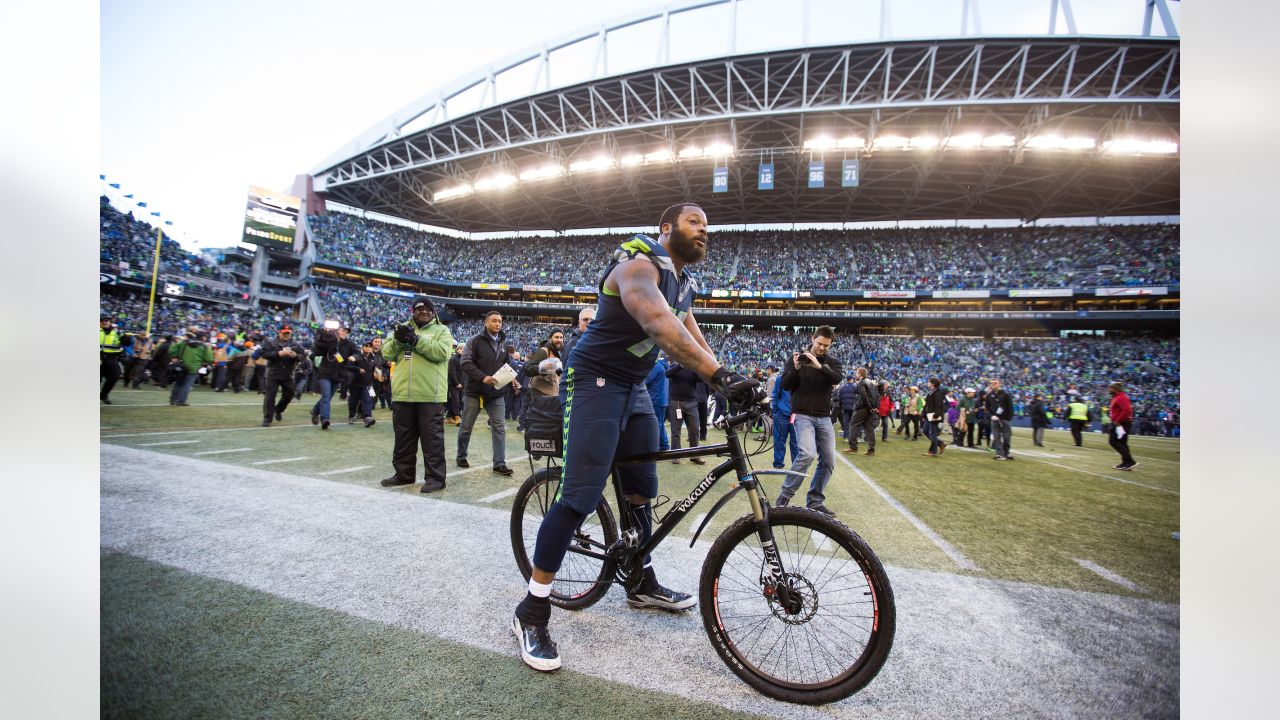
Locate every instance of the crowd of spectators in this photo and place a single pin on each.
(127, 249)
(879, 259)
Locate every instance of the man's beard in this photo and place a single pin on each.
(684, 248)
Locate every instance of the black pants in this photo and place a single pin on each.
(1077, 426)
(702, 419)
(885, 422)
(269, 405)
(1121, 445)
(911, 425)
(971, 426)
(110, 373)
(418, 423)
(984, 431)
(862, 422)
(359, 403)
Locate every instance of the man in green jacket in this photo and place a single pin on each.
(186, 359)
(418, 351)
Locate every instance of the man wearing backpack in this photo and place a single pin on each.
(865, 412)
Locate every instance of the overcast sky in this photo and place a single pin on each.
(199, 101)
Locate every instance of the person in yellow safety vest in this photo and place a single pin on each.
(1078, 416)
(111, 344)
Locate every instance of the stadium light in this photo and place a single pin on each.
(540, 173)
(719, 149)
(851, 142)
(495, 182)
(1057, 142)
(632, 159)
(924, 142)
(691, 152)
(1134, 146)
(820, 143)
(967, 140)
(998, 141)
(890, 142)
(453, 192)
(599, 162)
(663, 155)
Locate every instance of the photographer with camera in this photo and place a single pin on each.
(185, 360)
(281, 354)
(810, 377)
(335, 352)
(545, 369)
(420, 349)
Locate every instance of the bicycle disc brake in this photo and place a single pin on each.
(793, 601)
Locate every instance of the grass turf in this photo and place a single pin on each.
(1028, 520)
(178, 645)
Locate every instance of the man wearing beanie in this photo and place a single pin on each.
(420, 349)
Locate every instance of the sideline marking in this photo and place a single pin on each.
(1109, 576)
(280, 460)
(346, 470)
(498, 496)
(1090, 472)
(956, 556)
(482, 467)
(219, 452)
(200, 430)
(134, 405)
(169, 442)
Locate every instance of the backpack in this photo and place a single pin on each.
(871, 393)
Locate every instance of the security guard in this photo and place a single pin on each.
(111, 344)
(1078, 415)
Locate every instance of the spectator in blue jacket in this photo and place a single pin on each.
(656, 383)
(784, 435)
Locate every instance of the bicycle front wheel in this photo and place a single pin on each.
(832, 632)
(584, 576)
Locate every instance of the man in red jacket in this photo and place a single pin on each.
(1121, 425)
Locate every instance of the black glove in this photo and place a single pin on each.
(405, 334)
(737, 388)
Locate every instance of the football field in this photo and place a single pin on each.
(255, 571)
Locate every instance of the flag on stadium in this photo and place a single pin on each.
(141, 204)
(130, 196)
(168, 222)
(102, 177)
(156, 214)
(115, 185)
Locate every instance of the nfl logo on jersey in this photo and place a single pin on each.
(599, 382)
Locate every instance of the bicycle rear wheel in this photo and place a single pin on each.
(824, 647)
(584, 577)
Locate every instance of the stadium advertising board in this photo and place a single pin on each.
(389, 291)
(490, 286)
(953, 294)
(1130, 291)
(271, 218)
(889, 294)
(584, 290)
(107, 279)
(541, 288)
(787, 294)
(719, 293)
(1040, 292)
(173, 289)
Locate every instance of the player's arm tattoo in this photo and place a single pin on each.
(637, 285)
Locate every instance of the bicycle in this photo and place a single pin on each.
(794, 601)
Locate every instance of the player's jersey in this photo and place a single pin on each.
(614, 345)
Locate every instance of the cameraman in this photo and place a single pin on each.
(420, 349)
(335, 352)
(810, 377)
(281, 353)
(545, 367)
(186, 358)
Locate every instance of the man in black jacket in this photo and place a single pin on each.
(335, 351)
(481, 359)
(282, 353)
(682, 406)
(810, 377)
(935, 410)
(453, 407)
(1039, 420)
(864, 415)
(360, 381)
(1000, 409)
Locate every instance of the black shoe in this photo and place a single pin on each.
(315, 418)
(697, 461)
(822, 509)
(105, 401)
(266, 422)
(661, 598)
(431, 486)
(280, 415)
(182, 404)
(537, 650)
(503, 470)
(782, 501)
(369, 421)
(462, 464)
(999, 457)
(394, 481)
(351, 421)
(776, 466)
(324, 424)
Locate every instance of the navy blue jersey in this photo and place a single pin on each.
(614, 345)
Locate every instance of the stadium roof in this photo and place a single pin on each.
(973, 125)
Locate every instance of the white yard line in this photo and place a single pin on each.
(346, 470)
(221, 452)
(1108, 477)
(956, 556)
(499, 495)
(1109, 576)
(168, 442)
(201, 430)
(474, 468)
(280, 460)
